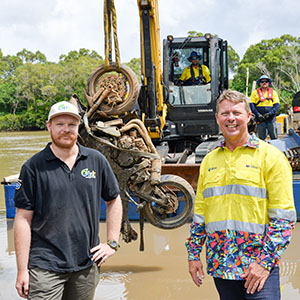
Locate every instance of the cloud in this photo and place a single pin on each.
(56, 27)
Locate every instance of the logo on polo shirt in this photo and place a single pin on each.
(211, 169)
(251, 166)
(88, 174)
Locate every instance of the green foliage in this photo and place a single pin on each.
(194, 33)
(279, 58)
(9, 122)
(30, 57)
(77, 67)
(29, 85)
(7, 92)
(75, 55)
(8, 65)
(135, 65)
(233, 59)
(25, 121)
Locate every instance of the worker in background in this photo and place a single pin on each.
(244, 209)
(264, 103)
(196, 73)
(58, 208)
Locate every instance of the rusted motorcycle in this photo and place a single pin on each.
(166, 201)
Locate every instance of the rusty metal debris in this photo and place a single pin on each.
(293, 156)
(124, 141)
(112, 90)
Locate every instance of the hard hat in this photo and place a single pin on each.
(194, 55)
(263, 77)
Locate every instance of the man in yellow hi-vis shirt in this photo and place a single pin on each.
(196, 73)
(264, 103)
(244, 209)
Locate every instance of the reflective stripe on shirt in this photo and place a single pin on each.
(282, 214)
(198, 219)
(236, 225)
(235, 189)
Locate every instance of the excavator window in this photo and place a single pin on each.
(179, 61)
(187, 95)
(190, 95)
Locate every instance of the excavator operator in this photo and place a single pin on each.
(196, 73)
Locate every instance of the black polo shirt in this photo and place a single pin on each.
(66, 205)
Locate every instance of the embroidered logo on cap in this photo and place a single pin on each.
(64, 107)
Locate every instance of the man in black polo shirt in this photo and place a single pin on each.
(57, 221)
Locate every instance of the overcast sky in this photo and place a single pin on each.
(56, 27)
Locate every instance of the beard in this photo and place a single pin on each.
(60, 142)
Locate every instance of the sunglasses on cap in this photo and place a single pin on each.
(264, 81)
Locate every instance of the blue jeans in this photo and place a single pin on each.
(269, 126)
(235, 290)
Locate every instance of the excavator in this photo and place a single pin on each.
(143, 127)
(178, 118)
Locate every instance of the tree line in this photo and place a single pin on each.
(279, 58)
(29, 84)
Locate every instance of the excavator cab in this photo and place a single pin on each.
(187, 94)
(191, 109)
(178, 118)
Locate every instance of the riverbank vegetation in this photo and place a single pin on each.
(29, 84)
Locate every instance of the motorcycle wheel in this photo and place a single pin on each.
(179, 190)
(124, 82)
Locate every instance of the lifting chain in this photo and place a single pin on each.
(112, 88)
(110, 22)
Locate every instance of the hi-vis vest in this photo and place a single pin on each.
(243, 189)
(194, 76)
(261, 95)
(195, 80)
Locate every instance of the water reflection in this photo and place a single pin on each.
(160, 272)
(10, 237)
(112, 285)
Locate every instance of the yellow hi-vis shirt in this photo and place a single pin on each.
(244, 210)
(243, 189)
(186, 74)
(254, 98)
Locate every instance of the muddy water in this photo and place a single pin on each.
(15, 149)
(158, 273)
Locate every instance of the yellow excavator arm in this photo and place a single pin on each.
(154, 117)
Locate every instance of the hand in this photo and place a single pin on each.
(101, 253)
(196, 271)
(261, 118)
(255, 276)
(22, 284)
(180, 82)
(267, 116)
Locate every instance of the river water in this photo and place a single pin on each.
(158, 273)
